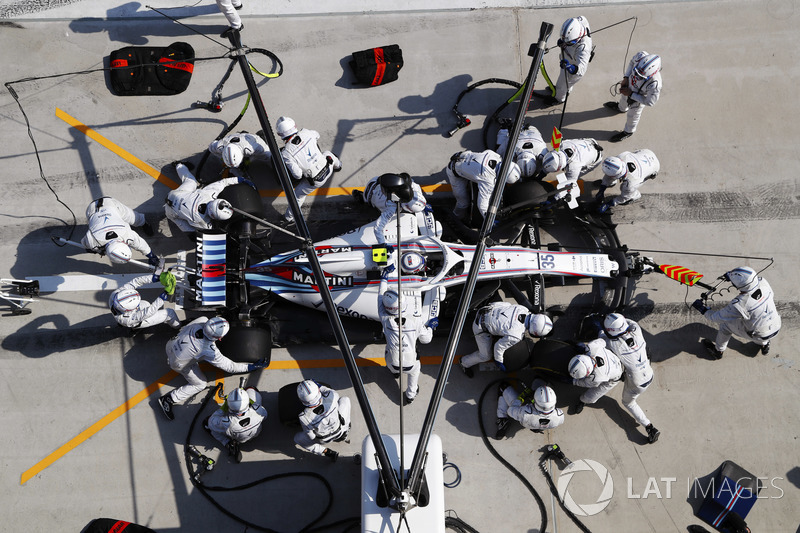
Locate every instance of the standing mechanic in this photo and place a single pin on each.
(304, 160)
(375, 196)
(195, 343)
(639, 88)
(529, 150)
(238, 149)
(131, 311)
(537, 416)
(326, 418)
(475, 167)
(192, 207)
(752, 315)
(404, 325)
(598, 369)
(238, 420)
(499, 326)
(624, 338)
(110, 231)
(229, 8)
(576, 52)
(632, 169)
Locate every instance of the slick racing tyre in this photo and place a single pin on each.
(552, 357)
(245, 344)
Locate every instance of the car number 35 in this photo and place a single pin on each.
(546, 261)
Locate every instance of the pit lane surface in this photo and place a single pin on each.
(82, 439)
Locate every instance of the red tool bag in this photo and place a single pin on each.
(151, 70)
(377, 66)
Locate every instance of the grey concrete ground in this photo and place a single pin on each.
(725, 130)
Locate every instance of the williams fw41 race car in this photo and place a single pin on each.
(273, 298)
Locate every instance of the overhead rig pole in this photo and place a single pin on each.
(390, 477)
(415, 474)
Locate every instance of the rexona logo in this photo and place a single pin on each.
(603, 500)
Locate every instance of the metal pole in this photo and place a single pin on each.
(319, 275)
(415, 474)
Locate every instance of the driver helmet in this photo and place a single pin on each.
(118, 252)
(126, 300)
(412, 263)
(216, 328)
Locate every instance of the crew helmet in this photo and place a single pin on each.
(391, 302)
(538, 325)
(238, 401)
(554, 161)
(219, 209)
(527, 163)
(232, 155)
(572, 31)
(119, 252)
(581, 366)
(216, 328)
(126, 300)
(614, 167)
(544, 399)
(513, 174)
(309, 394)
(615, 325)
(647, 66)
(286, 127)
(743, 278)
(412, 263)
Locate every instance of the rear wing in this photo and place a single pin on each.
(211, 248)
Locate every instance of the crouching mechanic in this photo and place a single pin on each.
(529, 150)
(574, 157)
(598, 369)
(195, 343)
(402, 324)
(507, 323)
(375, 196)
(752, 315)
(326, 418)
(624, 338)
(480, 168)
(537, 416)
(238, 149)
(192, 207)
(304, 160)
(632, 169)
(131, 311)
(110, 231)
(238, 420)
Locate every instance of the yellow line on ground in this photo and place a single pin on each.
(96, 427)
(347, 191)
(124, 154)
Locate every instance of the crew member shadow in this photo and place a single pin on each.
(134, 32)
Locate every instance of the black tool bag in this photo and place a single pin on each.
(377, 66)
(151, 70)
